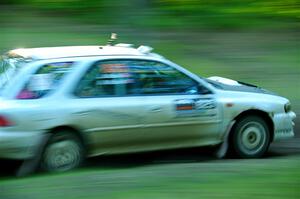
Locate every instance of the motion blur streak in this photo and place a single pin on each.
(253, 41)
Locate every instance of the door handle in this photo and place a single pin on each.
(155, 109)
(81, 113)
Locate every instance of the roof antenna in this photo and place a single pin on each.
(113, 38)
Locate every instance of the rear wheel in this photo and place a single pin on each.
(251, 137)
(64, 151)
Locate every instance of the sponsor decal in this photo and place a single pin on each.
(181, 107)
(195, 107)
(114, 68)
(114, 73)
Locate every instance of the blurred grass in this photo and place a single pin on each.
(264, 178)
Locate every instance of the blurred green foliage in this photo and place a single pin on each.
(172, 13)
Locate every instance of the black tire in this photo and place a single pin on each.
(64, 151)
(251, 137)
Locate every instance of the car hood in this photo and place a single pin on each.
(232, 85)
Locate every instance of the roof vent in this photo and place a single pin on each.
(145, 49)
(124, 45)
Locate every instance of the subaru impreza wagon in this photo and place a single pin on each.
(63, 104)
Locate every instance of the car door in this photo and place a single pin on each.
(179, 110)
(110, 119)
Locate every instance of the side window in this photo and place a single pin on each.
(46, 79)
(158, 78)
(106, 78)
(134, 77)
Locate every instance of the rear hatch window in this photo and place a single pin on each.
(9, 66)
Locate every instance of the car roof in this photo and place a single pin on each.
(79, 51)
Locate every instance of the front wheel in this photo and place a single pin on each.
(64, 151)
(251, 137)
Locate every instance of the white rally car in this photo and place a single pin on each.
(59, 105)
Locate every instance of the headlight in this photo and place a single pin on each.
(287, 107)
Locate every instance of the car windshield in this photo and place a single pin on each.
(9, 66)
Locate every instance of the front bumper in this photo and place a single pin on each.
(19, 145)
(283, 125)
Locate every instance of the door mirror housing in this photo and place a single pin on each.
(202, 90)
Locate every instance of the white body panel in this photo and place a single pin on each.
(127, 124)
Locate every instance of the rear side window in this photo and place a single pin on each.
(45, 80)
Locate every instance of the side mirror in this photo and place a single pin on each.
(202, 90)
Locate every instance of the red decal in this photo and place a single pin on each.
(184, 107)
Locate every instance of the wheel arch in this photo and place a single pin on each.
(255, 112)
(72, 130)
